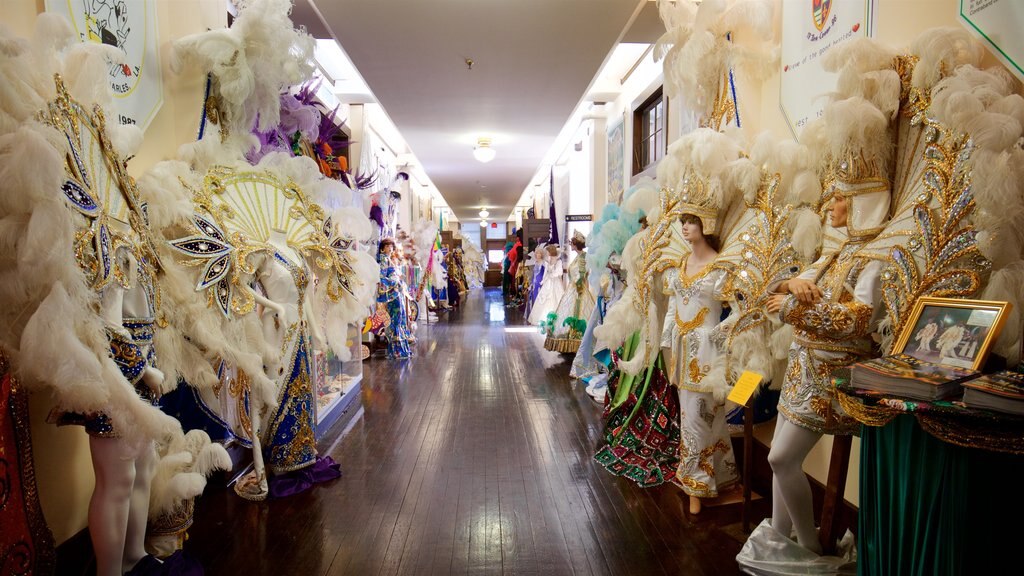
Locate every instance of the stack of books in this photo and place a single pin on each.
(1002, 392)
(906, 376)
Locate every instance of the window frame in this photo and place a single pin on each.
(641, 144)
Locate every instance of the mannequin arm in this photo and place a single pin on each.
(315, 331)
(268, 304)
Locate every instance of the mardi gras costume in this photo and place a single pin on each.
(565, 329)
(391, 293)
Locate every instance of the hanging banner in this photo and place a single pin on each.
(616, 163)
(998, 24)
(810, 28)
(129, 25)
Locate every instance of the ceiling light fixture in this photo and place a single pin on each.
(484, 213)
(483, 223)
(483, 151)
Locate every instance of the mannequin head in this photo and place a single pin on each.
(839, 211)
(552, 251)
(387, 246)
(693, 232)
(578, 245)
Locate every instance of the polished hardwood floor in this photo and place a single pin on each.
(475, 457)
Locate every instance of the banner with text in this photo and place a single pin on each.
(135, 78)
(810, 28)
(998, 23)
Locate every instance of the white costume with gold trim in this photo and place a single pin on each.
(706, 460)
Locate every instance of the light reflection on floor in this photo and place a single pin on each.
(496, 312)
(522, 330)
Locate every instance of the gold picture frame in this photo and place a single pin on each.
(951, 331)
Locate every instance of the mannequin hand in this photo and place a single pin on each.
(774, 303)
(804, 290)
(153, 379)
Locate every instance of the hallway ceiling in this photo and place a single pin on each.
(533, 61)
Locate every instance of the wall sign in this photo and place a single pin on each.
(810, 28)
(129, 25)
(579, 217)
(998, 24)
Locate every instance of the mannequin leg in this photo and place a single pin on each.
(138, 513)
(790, 447)
(108, 509)
(781, 520)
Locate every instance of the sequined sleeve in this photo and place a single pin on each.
(723, 288)
(669, 324)
(850, 317)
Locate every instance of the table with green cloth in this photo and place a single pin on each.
(937, 486)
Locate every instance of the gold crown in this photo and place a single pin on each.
(855, 175)
(695, 198)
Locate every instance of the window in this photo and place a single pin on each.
(649, 132)
(495, 256)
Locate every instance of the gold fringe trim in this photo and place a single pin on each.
(175, 522)
(867, 415)
(994, 436)
(562, 345)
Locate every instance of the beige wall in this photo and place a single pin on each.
(63, 465)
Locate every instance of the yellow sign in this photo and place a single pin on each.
(745, 387)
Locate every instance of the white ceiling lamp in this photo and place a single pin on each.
(483, 151)
(483, 223)
(484, 213)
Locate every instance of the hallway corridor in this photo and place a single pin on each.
(475, 457)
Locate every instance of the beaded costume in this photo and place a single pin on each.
(566, 329)
(391, 293)
(706, 461)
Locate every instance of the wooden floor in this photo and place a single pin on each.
(475, 457)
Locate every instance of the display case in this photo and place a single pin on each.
(337, 382)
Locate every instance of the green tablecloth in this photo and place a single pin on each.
(930, 507)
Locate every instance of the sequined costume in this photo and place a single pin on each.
(536, 268)
(131, 349)
(550, 293)
(289, 436)
(641, 435)
(706, 460)
(391, 293)
(585, 366)
(565, 331)
(831, 333)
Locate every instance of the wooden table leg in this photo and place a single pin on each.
(839, 465)
(748, 461)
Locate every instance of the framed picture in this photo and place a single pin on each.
(952, 332)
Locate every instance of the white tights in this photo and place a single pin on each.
(792, 506)
(119, 507)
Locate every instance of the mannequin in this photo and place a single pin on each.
(119, 508)
(706, 461)
(566, 331)
(285, 279)
(808, 408)
(551, 287)
(287, 313)
(392, 293)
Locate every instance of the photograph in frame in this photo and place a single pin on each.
(952, 332)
